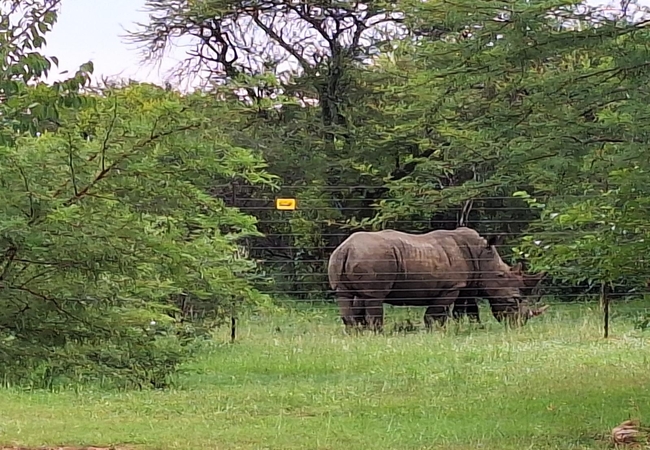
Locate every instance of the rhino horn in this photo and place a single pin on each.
(538, 311)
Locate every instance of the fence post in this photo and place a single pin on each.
(233, 323)
(604, 302)
(233, 316)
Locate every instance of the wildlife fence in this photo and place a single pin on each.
(567, 249)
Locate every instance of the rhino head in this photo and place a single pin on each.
(507, 288)
(529, 288)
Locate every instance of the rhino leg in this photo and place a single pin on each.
(467, 306)
(374, 309)
(352, 312)
(471, 311)
(439, 313)
(460, 308)
(436, 313)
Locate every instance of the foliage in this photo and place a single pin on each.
(106, 220)
(425, 117)
(429, 116)
(526, 120)
(23, 106)
(107, 225)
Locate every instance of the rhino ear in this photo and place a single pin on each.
(517, 268)
(495, 240)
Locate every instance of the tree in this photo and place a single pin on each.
(103, 222)
(308, 60)
(435, 126)
(106, 218)
(23, 106)
(517, 102)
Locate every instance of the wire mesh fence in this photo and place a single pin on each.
(302, 226)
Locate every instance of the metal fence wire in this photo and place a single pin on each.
(302, 227)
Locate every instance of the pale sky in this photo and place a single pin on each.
(92, 30)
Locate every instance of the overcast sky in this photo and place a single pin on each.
(92, 30)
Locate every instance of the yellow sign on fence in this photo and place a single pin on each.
(285, 204)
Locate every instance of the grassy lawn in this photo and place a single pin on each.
(297, 382)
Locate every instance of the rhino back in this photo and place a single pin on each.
(438, 260)
(399, 264)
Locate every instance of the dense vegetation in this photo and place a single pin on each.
(135, 217)
(520, 117)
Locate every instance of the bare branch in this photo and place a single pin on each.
(260, 37)
(73, 178)
(30, 195)
(9, 258)
(303, 62)
(109, 130)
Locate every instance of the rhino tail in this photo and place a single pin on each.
(336, 267)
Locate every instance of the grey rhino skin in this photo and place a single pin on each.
(467, 302)
(369, 269)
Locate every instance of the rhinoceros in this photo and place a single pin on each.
(369, 269)
(467, 305)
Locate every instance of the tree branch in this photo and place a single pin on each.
(71, 165)
(109, 130)
(107, 170)
(37, 276)
(292, 51)
(56, 304)
(32, 212)
(9, 257)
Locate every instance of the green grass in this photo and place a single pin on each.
(297, 382)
